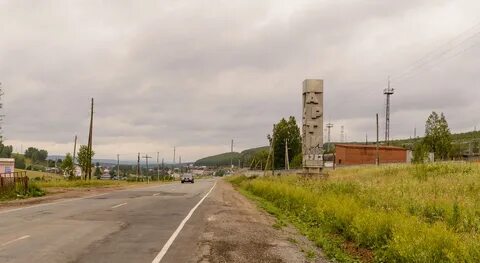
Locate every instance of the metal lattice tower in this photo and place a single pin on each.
(329, 127)
(342, 134)
(388, 92)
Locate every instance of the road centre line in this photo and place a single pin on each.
(75, 199)
(15, 240)
(119, 205)
(167, 245)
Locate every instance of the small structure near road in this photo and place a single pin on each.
(7, 165)
(357, 154)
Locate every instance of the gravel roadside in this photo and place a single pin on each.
(237, 230)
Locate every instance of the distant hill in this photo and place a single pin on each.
(461, 139)
(225, 159)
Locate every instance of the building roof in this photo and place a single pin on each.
(373, 146)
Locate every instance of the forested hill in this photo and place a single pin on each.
(457, 138)
(225, 159)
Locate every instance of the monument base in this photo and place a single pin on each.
(312, 171)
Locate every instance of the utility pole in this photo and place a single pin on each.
(138, 166)
(366, 138)
(1, 114)
(158, 166)
(329, 127)
(118, 166)
(273, 150)
(74, 150)
(287, 161)
(146, 160)
(388, 92)
(231, 155)
(377, 153)
(90, 135)
(174, 153)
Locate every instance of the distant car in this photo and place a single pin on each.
(187, 178)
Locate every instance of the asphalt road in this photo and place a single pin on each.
(122, 226)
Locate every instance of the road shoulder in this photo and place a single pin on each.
(236, 230)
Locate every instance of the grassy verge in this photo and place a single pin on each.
(19, 192)
(424, 213)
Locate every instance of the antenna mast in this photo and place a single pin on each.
(388, 92)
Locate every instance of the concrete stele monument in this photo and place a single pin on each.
(312, 126)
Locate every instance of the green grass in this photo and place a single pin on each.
(44, 175)
(403, 213)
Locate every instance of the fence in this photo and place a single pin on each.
(13, 181)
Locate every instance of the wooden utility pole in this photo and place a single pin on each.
(287, 161)
(74, 150)
(231, 153)
(378, 156)
(146, 161)
(158, 166)
(273, 150)
(118, 166)
(90, 135)
(138, 166)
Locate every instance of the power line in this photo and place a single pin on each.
(439, 53)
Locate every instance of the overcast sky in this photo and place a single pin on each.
(197, 74)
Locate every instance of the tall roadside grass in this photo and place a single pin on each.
(402, 213)
(19, 192)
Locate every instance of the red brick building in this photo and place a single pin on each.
(355, 154)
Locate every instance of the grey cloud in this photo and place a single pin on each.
(199, 73)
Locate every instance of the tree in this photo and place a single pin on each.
(420, 152)
(36, 155)
(19, 161)
(98, 172)
(67, 165)
(84, 159)
(286, 132)
(5, 151)
(438, 138)
(42, 155)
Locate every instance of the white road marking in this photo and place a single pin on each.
(53, 203)
(167, 245)
(76, 199)
(116, 206)
(15, 240)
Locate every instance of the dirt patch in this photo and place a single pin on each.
(237, 231)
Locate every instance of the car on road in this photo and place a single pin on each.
(187, 178)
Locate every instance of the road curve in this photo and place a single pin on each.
(123, 226)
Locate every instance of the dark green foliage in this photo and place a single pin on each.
(19, 161)
(84, 158)
(437, 136)
(420, 153)
(67, 165)
(98, 172)
(297, 161)
(286, 131)
(36, 155)
(5, 151)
